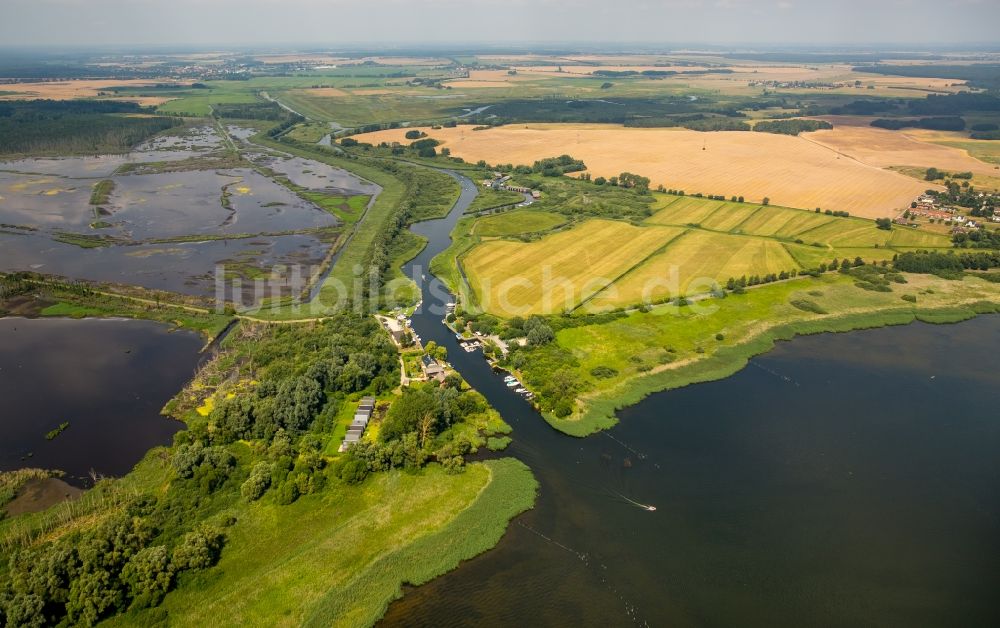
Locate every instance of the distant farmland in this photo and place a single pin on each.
(791, 171)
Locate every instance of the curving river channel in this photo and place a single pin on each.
(847, 479)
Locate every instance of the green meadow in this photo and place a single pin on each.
(670, 346)
(339, 557)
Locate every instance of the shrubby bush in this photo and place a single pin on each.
(257, 484)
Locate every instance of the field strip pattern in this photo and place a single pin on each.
(567, 267)
(691, 263)
(688, 244)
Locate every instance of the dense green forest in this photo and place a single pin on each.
(983, 75)
(694, 121)
(75, 126)
(945, 263)
(951, 123)
(791, 127)
(629, 111)
(934, 105)
(250, 111)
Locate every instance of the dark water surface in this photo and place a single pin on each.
(839, 480)
(40, 199)
(107, 378)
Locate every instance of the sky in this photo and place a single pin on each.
(773, 23)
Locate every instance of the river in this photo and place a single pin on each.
(847, 479)
(108, 379)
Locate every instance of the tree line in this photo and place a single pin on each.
(949, 123)
(75, 126)
(935, 262)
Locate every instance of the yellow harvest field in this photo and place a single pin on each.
(83, 88)
(790, 171)
(557, 272)
(884, 148)
(691, 264)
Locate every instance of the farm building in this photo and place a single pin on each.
(500, 182)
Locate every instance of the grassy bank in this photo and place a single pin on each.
(41, 296)
(518, 222)
(672, 346)
(405, 247)
(445, 264)
(340, 557)
(208, 324)
(352, 257)
(418, 192)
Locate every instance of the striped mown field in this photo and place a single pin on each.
(685, 247)
(559, 271)
(691, 264)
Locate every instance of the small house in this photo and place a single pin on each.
(432, 369)
(395, 328)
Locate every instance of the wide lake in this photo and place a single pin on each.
(838, 480)
(108, 379)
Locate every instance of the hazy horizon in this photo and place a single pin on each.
(913, 24)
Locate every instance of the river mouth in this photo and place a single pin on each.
(108, 379)
(840, 479)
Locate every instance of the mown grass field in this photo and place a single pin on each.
(517, 222)
(812, 256)
(692, 264)
(354, 109)
(693, 243)
(672, 346)
(984, 150)
(559, 271)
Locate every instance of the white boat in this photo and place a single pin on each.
(510, 378)
(512, 384)
(521, 390)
